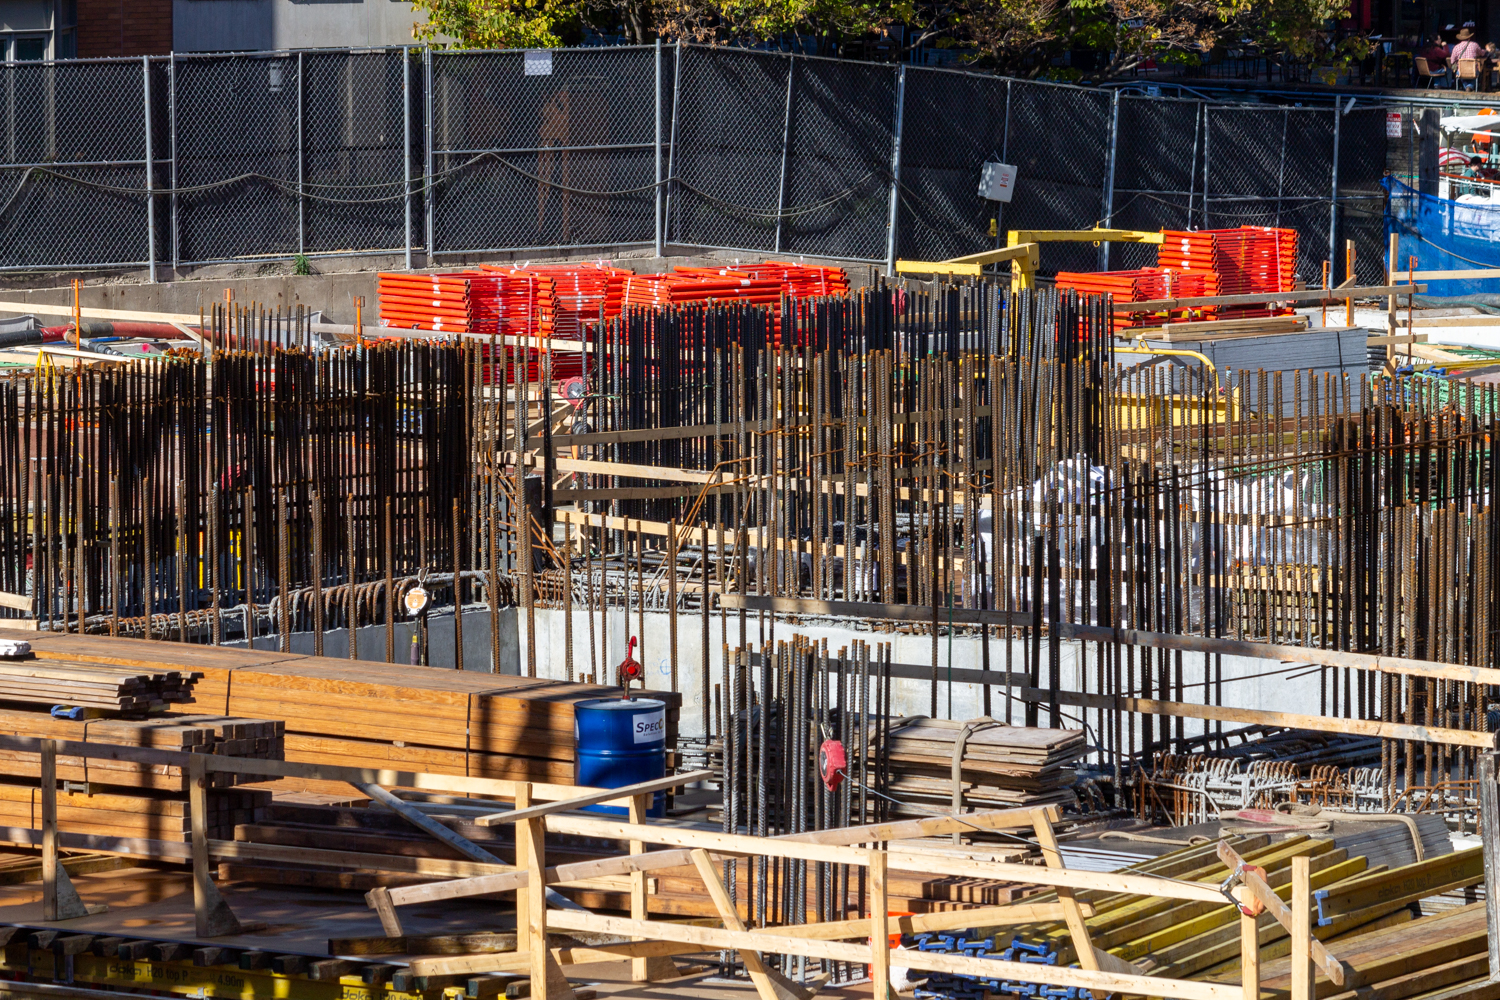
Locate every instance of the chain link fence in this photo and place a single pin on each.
(426, 154)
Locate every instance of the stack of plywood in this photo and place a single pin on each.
(1003, 766)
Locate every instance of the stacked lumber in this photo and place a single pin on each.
(86, 685)
(257, 739)
(1002, 766)
(140, 815)
(341, 712)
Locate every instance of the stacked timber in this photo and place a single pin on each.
(126, 813)
(380, 715)
(130, 799)
(257, 739)
(1001, 767)
(86, 685)
(384, 850)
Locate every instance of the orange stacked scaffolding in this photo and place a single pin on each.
(1250, 260)
(445, 303)
(800, 281)
(1142, 285)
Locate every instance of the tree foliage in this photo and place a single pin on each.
(1022, 37)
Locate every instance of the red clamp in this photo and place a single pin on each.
(1252, 906)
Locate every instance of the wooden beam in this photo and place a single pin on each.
(880, 942)
(768, 985)
(1083, 944)
(1315, 295)
(1301, 930)
(211, 913)
(1489, 833)
(595, 798)
(1288, 720)
(1013, 915)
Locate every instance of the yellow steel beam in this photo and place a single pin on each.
(974, 264)
(1018, 236)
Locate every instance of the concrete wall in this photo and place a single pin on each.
(440, 645)
(245, 25)
(1248, 683)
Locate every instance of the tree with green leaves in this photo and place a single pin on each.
(1020, 37)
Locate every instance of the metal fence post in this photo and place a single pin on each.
(890, 236)
(301, 225)
(1207, 134)
(657, 220)
(406, 148)
(672, 143)
(172, 144)
(150, 173)
(786, 137)
(1333, 202)
(1109, 176)
(427, 178)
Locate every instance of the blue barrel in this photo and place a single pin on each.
(621, 743)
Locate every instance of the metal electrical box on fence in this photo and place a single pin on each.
(997, 182)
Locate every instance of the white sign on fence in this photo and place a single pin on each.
(1393, 124)
(538, 62)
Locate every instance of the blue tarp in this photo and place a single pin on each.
(1444, 235)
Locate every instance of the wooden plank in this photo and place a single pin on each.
(1072, 913)
(1489, 831)
(714, 938)
(17, 602)
(880, 942)
(1289, 720)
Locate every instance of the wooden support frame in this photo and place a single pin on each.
(1296, 918)
(59, 899)
(211, 914)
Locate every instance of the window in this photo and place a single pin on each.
(28, 48)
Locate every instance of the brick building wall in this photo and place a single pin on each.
(124, 27)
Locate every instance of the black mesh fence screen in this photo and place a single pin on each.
(532, 152)
(430, 153)
(73, 163)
